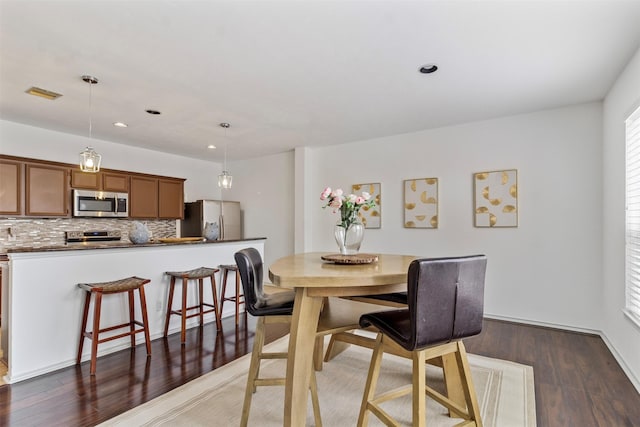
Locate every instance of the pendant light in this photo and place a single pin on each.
(224, 179)
(89, 159)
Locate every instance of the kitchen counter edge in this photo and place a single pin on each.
(120, 245)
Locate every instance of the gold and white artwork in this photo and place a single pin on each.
(370, 217)
(421, 203)
(496, 198)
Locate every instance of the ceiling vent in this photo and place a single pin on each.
(43, 93)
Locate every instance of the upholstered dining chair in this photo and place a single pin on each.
(269, 308)
(445, 303)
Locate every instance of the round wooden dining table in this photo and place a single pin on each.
(313, 279)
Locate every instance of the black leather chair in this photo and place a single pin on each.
(445, 298)
(269, 308)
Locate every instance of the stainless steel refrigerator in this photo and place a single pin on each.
(226, 213)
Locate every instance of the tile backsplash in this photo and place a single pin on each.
(35, 233)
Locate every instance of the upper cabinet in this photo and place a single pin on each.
(46, 190)
(85, 180)
(156, 198)
(170, 198)
(143, 197)
(30, 187)
(114, 181)
(102, 181)
(10, 187)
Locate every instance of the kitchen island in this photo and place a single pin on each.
(42, 304)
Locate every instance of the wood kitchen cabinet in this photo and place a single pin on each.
(40, 188)
(10, 187)
(170, 199)
(114, 181)
(85, 180)
(46, 190)
(143, 197)
(156, 198)
(102, 181)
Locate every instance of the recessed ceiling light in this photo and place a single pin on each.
(429, 68)
(120, 124)
(211, 146)
(153, 112)
(43, 93)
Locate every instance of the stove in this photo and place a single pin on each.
(92, 236)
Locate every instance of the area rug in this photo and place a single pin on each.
(505, 394)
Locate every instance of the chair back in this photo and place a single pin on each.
(250, 268)
(445, 299)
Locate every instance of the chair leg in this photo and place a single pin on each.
(95, 334)
(183, 312)
(214, 293)
(145, 319)
(237, 300)
(132, 319)
(418, 395)
(372, 381)
(171, 289)
(258, 342)
(223, 289)
(452, 381)
(468, 388)
(201, 300)
(83, 328)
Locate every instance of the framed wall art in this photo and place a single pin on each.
(371, 217)
(421, 203)
(496, 198)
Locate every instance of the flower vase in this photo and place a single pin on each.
(350, 238)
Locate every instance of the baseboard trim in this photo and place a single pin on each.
(543, 324)
(616, 355)
(627, 370)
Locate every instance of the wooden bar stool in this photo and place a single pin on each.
(238, 297)
(118, 286)
(199, 274)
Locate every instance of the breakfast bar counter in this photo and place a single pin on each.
(42, 304)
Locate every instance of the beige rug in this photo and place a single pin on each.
(505, 394)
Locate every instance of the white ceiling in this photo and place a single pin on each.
(301, 73)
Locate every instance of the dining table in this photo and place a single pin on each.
(313, 279)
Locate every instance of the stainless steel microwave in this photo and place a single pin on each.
(102, 204)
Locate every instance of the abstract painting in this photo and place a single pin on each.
(496, 198)
(421, 203)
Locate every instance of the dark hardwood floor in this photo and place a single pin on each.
(577, 380)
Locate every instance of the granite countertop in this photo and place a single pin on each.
(123, 244)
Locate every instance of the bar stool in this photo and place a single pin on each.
(118, 286)
(199, 274)
(238, 297)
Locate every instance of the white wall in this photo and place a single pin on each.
(265, 188)
(37, 143)
(622, 333)
(548, 269)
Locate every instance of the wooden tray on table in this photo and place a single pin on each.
(351, 259)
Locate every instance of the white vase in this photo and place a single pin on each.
(211, 231)
(349, 239)
(138, 233)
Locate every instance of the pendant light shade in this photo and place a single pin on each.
(225, 179)
(89, 159)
